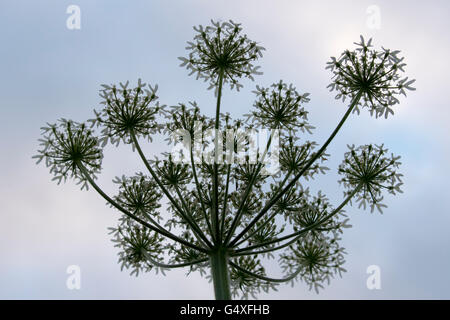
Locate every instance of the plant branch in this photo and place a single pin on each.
(238, 215)
(192, 224)
(288, 278)
(187, 211)
(215, 209)
(159, 229)
(257, 229)
(268, 219)
(225, 201)
(300, 174)
(173, 266)
(200, 194)
(295, 235)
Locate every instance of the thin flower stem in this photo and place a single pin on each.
(200, 195)
(300, 174)
(252, 274)
(173, 266)
(215, 209)
(238, 215)
(156, 224)
(257, 230)
(295, 235)
(188, 213)
(225, 201)
(268, 219)
(159, 229)
(191, 223)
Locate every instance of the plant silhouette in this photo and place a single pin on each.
(227, 207)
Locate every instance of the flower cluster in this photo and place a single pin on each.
(236, 204)
(67, 146)
(139, 195)
(264, 231)
(293, 158)
(248, 171)
(182, 117)
(316, 212)
(137, 245)
(127, 110)
(320, 259)
(221, 48)
(371, 74)
(370, 168)
(250, 207)
(171, 173)
(289, 202)
(280, 107)
(183, 254)
(245, 284)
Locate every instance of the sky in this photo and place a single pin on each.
(49, 72)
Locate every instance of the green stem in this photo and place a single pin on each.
(305, 168)
(264, 278)
(215, 209)
(200, 195)
(195, 228)
(225, 201)
(158, 229)
(188, 213)
(268, 219)
(295, 235)
(173, 266)
(238, 215)
(219, 273)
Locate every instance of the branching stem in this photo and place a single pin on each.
(195, 228)
(159, 229)
(300, 174)
(252, 274)
(215, 209)
(295, 235)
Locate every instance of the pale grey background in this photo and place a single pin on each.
(48, 72)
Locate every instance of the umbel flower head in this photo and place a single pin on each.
(220, 206)
(140, 195)
(137, 244)
(281, 107)
(222, 48)
(375, 75)
(371, 168)
(172, 173)
(128, 110)
(244, 284)
(321, 259)
(294, 157)
(67, 145)
(316, 211)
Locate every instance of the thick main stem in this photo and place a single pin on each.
(219, 273)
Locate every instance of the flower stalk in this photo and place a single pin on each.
(225, 218)
(219, 271)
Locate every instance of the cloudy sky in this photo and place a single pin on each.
(48, 72)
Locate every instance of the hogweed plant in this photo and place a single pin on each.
(226, 210)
